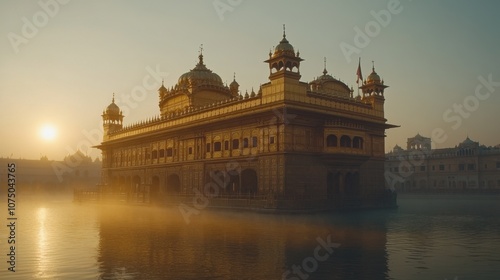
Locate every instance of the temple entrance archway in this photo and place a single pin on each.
(173, 184)
(249, 182)
(332, 184)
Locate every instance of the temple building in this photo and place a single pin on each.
(288, 145)
(467, 167)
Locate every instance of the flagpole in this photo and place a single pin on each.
(359, 74)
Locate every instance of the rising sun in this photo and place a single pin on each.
(48, 132)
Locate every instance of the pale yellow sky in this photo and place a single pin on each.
(61, 61)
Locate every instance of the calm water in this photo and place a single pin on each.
(428, 237)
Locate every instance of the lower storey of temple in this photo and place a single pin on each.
(280, 182)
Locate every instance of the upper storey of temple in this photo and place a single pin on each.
(200, 90)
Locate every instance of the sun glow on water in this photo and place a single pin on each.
(42, 242)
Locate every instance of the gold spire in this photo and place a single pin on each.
(324, 70)
(200, 56)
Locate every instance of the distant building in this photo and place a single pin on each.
(52, 175)
(468, 166)
(289, 145)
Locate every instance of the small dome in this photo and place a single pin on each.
(162, 88)
(373, 77)
(113, 108)
(397, 149)
(234, 83)
(284, 47)
(468, 142)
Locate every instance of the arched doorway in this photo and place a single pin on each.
(136, 184)
(173, 184)
(332, 184)
(233, 186)
(219, 182)
(249, 182)
(352, 183)
(155, 185)
(154, 191)
(118, 184)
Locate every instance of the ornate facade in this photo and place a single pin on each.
(467, 167)
(291, 144)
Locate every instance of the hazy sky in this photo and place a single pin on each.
(60, 61)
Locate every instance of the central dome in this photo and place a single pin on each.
(199, 75)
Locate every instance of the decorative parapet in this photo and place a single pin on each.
(187, 115)
(220, 108)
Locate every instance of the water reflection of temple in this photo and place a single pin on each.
(158, 244)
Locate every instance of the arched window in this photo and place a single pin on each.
(162, 153)
(155, 154)
(236, 144)
(254, 141)
(217, 146)
(331, 141)
(357, 142)
(245, 142)
(345, 141)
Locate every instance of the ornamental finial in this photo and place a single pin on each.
(200, 56)
(324, 70)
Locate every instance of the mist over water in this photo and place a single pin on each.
(428, 237)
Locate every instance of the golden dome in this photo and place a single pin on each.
(199, 75)
(112, 108)
(162, 88)
(234, 83)
(326, 78)
(373, 77)
(284, 47)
